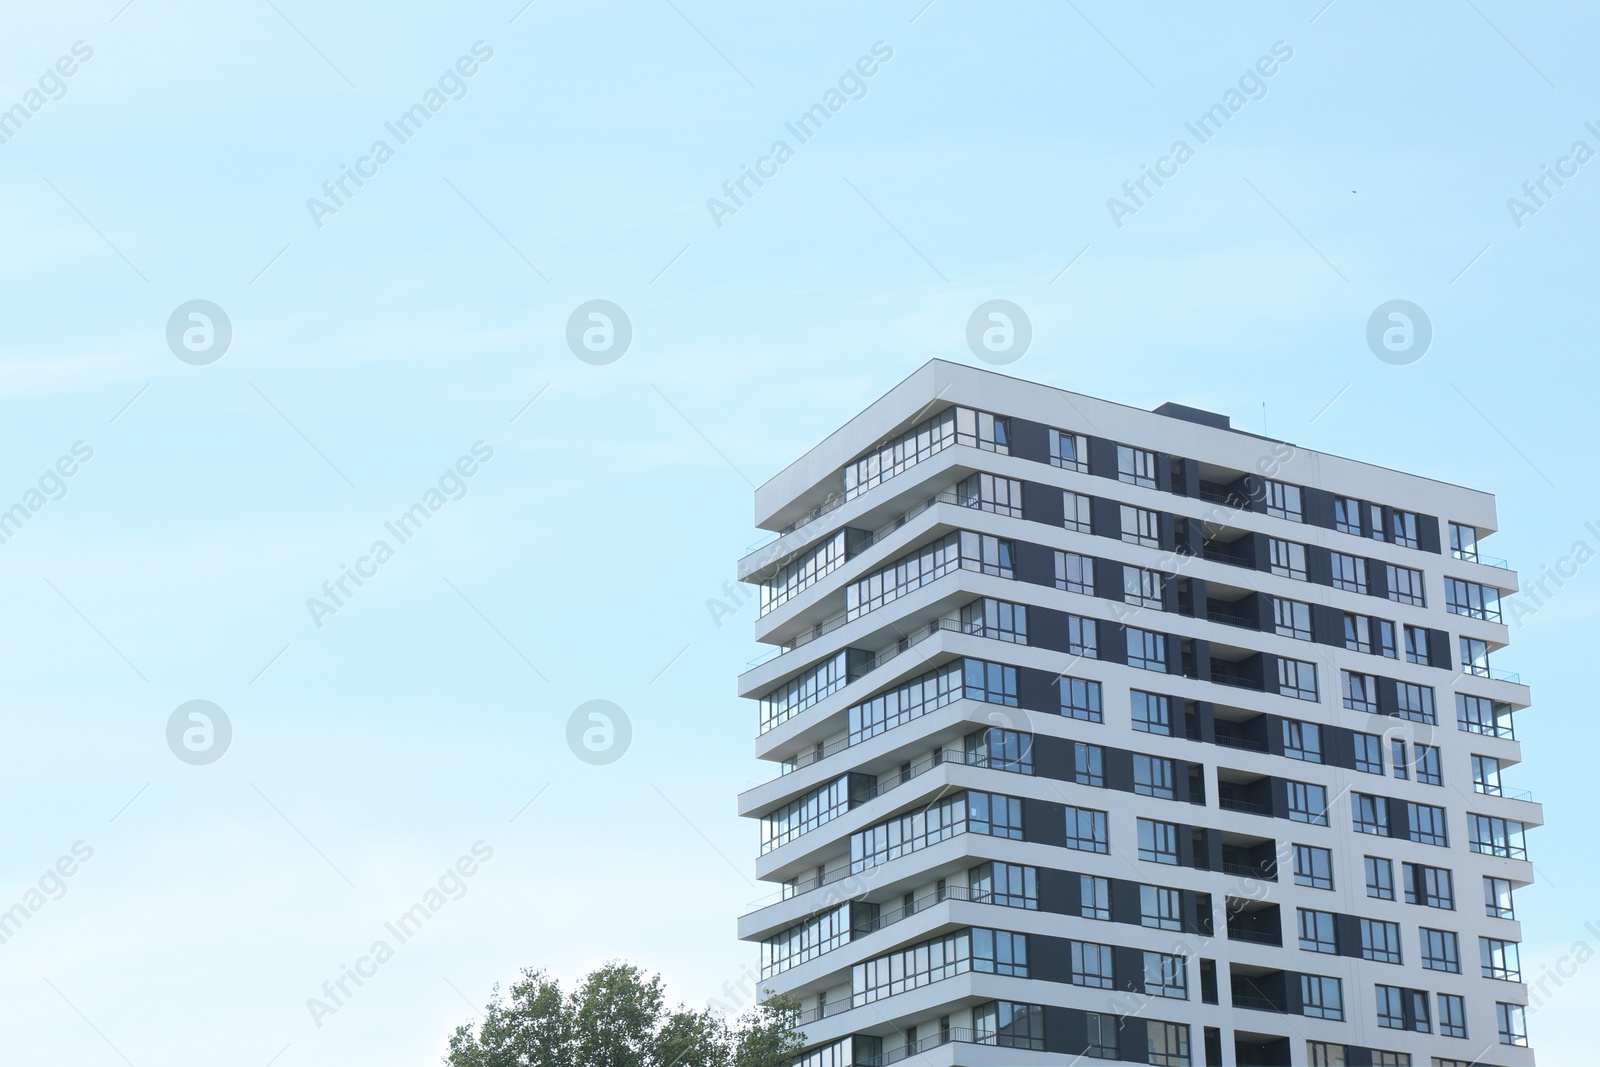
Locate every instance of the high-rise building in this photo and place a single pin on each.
(1119, 734)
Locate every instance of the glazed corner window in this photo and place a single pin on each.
(1136, 466)
(983, 430)
(903, 452)
(1069, 450)
(1283, 501)
(1464, 542)
(1471, 599)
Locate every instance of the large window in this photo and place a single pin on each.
(1302, 740)
(1452, 1015)
(1480, 715)
(1147, 649)
(1415, 702)
(1009, 1025)
(1431, 887)
(1425, 824)
(1403, 1009)
(1136, 466)
(1403, 529)
(804, 690)
(1094, 897)
(1080, 699)
(995, 815)
(800, 574)
(1419, 648)
(1405, 585)
(1313, 867)
(801, 816)
(1360, 691)
(1497, 898)
(1167, 1044)
(1297, 679)
(1160, 908)
(1463, 542)
(1308, 803)
(1370, 814)
(1368, 752)
(1495, 836)
(995, 683)
(990, 492)
(1317, 931)
(805, 941)
(1380, 877)
(912, 571)
(1141, 526)
(1164, 976)
(1286, 558)
(953, 426)
(1070, 451)
(1471, 599)
(908, 833)
(911, 968)
(1512, 1022)
(1077, 512)
(1141, 587)
(1321, 998)
(1152, 776)
(1090, 964)
(1475, 656)
(997, 619)
(1086, 830)
(1291, 618)
(1283, 500)
(1089, 764)
(1003, 750)
(1008, 884)
(1347, 515)
(905, 702)
(1152, 713)
(1441, 950)
(1000, 952)
(1349, 573)
(1075, 573)
(1500, 959)
(1158, 841)
(1380, 941)
(1083, 637)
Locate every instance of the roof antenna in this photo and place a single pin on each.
(1263, 418)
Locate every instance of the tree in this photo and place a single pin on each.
(617, 1017)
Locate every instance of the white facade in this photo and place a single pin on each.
(931, 905)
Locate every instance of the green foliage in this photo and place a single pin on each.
(617, 1017)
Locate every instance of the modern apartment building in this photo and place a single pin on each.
(1109, 733)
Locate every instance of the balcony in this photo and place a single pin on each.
(1252, 921)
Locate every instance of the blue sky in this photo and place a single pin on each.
(372, 352)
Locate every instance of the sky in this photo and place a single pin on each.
(423, 331)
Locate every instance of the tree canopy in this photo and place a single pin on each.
(618, 1017)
